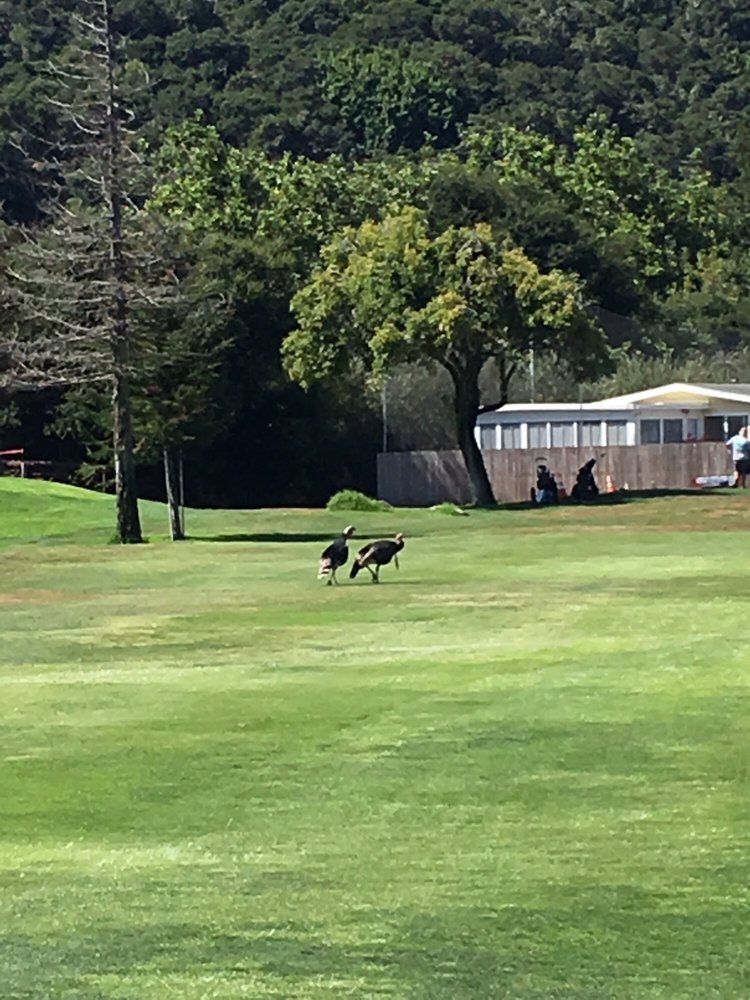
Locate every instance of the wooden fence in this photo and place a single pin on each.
(26, 468)
(424, 478)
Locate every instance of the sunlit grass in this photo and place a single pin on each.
(517, 768)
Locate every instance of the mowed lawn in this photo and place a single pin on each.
(518, 768)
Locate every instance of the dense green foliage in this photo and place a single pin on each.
(517, 768)
(390, 292)
(354, 500)
(318, 76)
(609, 142)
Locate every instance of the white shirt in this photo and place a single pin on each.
(740, 447)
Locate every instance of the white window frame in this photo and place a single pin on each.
(621, 425)
(600, 433)
(515, 425)
(566, 425)
(545, 424)
(485, 429)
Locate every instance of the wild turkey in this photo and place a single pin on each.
(335, 556)
(377, 554)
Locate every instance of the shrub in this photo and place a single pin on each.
(354, 500)
(446, 507)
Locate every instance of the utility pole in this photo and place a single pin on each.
(384, 413)
(532, 373)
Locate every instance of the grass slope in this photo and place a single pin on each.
(33, 511)
(518, 768)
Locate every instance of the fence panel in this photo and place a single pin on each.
(424, 478)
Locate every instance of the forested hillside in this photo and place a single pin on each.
(318, 76)
(419, 103)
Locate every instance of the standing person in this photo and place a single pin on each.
(739, 446)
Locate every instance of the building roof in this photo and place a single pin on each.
(682, 392)
(692, 395)
(743, 388)
(544, 407)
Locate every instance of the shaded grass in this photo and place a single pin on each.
(518, 768)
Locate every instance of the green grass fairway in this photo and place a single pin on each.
(518, 768)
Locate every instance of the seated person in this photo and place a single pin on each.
(585, 487)
(546, 486)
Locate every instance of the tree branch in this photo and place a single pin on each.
(506, 373)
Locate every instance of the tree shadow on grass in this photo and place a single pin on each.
(615, 499)
(301, 536)
(267, 536)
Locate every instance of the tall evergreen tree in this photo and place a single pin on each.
(78, 275)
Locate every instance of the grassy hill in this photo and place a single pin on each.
(32, 510)
(517, 768)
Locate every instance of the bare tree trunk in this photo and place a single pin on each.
(128, 518)
(172, 484)
(467, 408)
(182, 494)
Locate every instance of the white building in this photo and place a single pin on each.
(668, 414)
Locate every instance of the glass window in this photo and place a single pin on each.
(510, 435)
(617, 432)
(692, 429)
(672, 431)
(590, 434)
(713, 428)
(487, 436)
(650, 431)
(563, 435)
(735, 423)
(537, 435)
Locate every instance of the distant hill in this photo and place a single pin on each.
(371, 76)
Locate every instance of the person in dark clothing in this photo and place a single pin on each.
(546, 486)
(585, 487)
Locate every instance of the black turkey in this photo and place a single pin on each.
(335, 556)
(377, 554)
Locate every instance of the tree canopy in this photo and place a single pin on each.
(325, 76)
(391, 292)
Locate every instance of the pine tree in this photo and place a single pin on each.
(78, 277)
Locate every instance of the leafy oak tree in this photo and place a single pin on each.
(392, 292)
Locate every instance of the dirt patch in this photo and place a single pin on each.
(29, 597)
